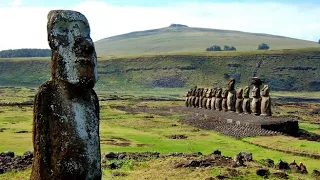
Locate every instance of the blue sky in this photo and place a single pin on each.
(23, 22)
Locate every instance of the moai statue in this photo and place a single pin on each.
(246, 101)
(197, 98)
(209, 97)
(256, 98)
(231, 99)
(187, 98)
(239, 101)
(265, 102)
(66, 109)
(192, 97)
(213, 99)
(224, 100)
(203, 98)
(218, 103)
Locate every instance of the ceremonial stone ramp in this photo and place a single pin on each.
(238, 125)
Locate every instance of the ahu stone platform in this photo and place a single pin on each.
(238, 125)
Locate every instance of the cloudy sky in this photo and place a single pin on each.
(23, 22)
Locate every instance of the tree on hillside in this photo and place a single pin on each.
(228, 48)
(263, 46)
(25, 53)
(214, 48)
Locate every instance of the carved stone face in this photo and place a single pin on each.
(239, 93)
(73, 55)
(265, 91)
(231, 84)
(246, 92)
(219, 92)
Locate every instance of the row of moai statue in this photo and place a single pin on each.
(232, 100)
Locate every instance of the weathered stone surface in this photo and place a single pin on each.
(239, 101)
(246, 101)
(231, 98)
(262, 172)
(256, 98)
(9, 162)
(66, 109)
(315, 174)
(265, 101)
(213, 99)
(218, 100)
(224, 100)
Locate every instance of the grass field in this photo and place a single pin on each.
(182, 40)
(138, 133)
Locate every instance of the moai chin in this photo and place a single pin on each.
(239, 101)
(66, 109)
(265, 102)
(256, 98)
(224, 100)
(231, 99)
(246, 101)
(218, 103)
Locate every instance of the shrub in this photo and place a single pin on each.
(214, 48)
(228, 48)
(263, 46)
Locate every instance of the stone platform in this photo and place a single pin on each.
(238, 125)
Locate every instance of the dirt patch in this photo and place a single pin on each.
(144, 145)
(21, 132)
(116, 141)
(177, 136)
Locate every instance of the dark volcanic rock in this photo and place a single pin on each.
(280, 174)
(282, 165)
(315, 174)
(262, 172)
(8, 162)
(268, 162)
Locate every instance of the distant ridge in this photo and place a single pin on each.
(181, 38)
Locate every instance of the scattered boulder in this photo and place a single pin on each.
(238, 160)
(216, 152)
(315, 174)
(9, 162)
(280, 174)
(247, 156)
(178, 136)
(263, 172)
(282, 165)
(268, 162)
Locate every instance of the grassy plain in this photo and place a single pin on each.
(184, 40)
(136, 132)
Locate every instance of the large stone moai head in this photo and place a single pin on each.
(256, 97)
(246, 92)
(231, 84)
(73, 55)
(265, 102)
(265, 91)
(256, 82)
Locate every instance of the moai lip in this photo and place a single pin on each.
(66, 109)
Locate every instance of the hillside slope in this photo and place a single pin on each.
(289, 70)
(187, 39)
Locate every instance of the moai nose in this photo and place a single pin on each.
(83, 47)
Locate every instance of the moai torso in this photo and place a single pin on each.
(265, 102)
(198, 96)
(66, 109)
(213, 99)
(208, 101)
(192, 97)
(256, 98)
(231, 99)
(218, 100)
(239, 101)
(246, 101)
(224, 100)
(187, 98)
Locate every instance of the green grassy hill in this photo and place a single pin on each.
(283, 70)
(187, 39)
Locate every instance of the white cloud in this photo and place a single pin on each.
(25, 27)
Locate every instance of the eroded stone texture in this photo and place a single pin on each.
(246, 101)
(209, 97)
(213, 99)
(265, 102)
(203, 99)
(224, 100)
(239, 101)
(231, 98)
(256, 98)
(191, 99)
(218, 100)
(187, 98)
(66, 108)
